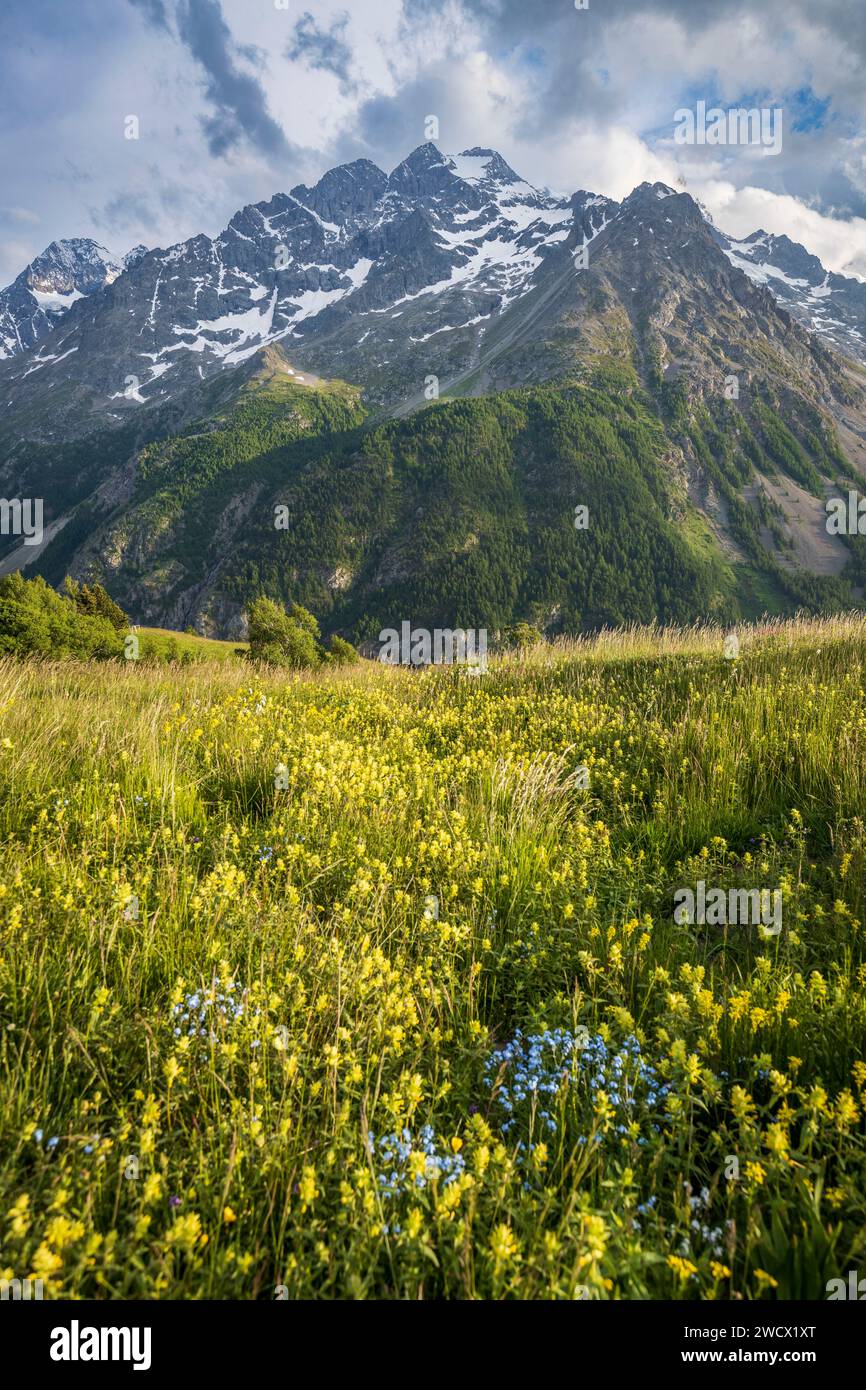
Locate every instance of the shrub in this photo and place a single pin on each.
(95, 602)
(278, 638)
(37, 621)
(341, 652)
(520, 635)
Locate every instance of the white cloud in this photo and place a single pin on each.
(20, 215)
(840, 245)
(570, 99)
(611, 160)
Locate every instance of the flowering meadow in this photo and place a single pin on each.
(350, 985)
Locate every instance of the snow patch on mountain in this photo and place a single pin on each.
(441, 246)
(831, 305)
(46, 289)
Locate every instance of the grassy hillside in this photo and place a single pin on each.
(349, 984)
(464, 512)
(167, 645)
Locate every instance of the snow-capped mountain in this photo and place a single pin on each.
(382, 280)
(830, 304)
(40, 296)
(442, 244)
(229, 364)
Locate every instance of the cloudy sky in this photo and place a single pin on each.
(238, 99)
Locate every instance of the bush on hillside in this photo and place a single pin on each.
(278, 638)
(37, 621)
(520, 635)
(341, 652)
(95, 602)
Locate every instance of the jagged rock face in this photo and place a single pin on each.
(449, 274)
(351, 275)
(345, 196)
(687, 304)
(41, 295)
(826, 303)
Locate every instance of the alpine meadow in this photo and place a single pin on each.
(432, 672)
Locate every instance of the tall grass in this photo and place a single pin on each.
(403, 881)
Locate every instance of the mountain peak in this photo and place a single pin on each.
(650, 190)
(426, 156)
(76, 258)
(427, 170)
(424, 172)
(436, 251)
(67, 270)
(479, 165)
(345, 193)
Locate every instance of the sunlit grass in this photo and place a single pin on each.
(394, 872)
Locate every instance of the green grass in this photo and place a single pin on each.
(404, 879)
(166, 644)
